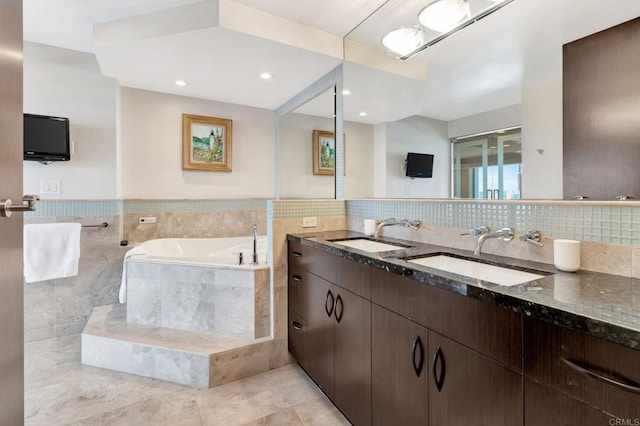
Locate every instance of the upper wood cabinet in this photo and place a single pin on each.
(601, 106)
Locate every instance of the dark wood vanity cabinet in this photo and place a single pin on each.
(332, 328)
(545, 406)
(601, 374)
(468, 388)
(471, 376)
(390, 350)
(400, 369)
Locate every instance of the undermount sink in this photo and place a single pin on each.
(478, 270)
(372, 246)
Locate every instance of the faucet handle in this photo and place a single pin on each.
(477, 231)
(532, 237)
(624, 197)
(414, 224)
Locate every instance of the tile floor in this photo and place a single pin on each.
(59, 390)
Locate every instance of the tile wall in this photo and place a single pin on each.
(62, 306)
(609, 231)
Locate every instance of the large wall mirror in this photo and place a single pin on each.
(306, 151)
(497, 73)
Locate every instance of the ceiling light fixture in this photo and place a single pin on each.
(444, 15)
(363, 114)
(265, 76)
(346, 92)
(403, 41)
(181, 83)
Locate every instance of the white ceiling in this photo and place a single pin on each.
(481, 68)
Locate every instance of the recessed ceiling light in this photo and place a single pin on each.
(346, 92)
(265, 76)
(363, 114)
(181, 83)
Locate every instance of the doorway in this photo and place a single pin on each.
(488, 166)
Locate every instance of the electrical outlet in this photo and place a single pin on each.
(309, 222)
(148, 219)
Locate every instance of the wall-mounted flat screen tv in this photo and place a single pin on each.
(419, 165)
(46, 138)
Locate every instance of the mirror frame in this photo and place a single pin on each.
(332, 79)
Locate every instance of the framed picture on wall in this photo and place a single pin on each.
(324, 152)
(206, 143)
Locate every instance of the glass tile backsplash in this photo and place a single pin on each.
(596, 222)
(76, 208)
(587, 221)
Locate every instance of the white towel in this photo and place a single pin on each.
(123, 284)
(51, 250)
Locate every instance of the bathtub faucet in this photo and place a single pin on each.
(254, 229)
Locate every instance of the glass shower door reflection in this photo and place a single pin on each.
(488, 166)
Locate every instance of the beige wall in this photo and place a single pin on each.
(296, 158)
(67, 83)
(151, 154)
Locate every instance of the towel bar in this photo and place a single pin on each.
(102, 225)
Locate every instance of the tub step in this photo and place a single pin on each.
(190, 358)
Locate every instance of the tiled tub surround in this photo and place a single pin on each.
(192, 358)
(62, 306)
(215, 299)
(193, 218)
(602, 305)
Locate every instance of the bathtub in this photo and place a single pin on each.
(222, 252)
(196, 284)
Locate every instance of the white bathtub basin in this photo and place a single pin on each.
(478, 270)
(368, 245)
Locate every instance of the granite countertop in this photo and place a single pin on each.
(602, 305)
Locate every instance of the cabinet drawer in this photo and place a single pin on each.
(298, 280)
(297, 330)
(573, 361)
(313, 260)
(355, 277)
(544, 406)
(489, 329)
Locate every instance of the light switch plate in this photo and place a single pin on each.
(50, 187)
(309, 222)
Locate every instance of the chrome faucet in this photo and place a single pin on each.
(413, 224)
(532, 237)
(505, 234)
(254, 230)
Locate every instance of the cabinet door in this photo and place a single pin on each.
(545, 406)
(400, 370)
(352, 356)
(466, 387)
(320, 298)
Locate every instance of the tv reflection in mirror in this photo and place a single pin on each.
(419, 165)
